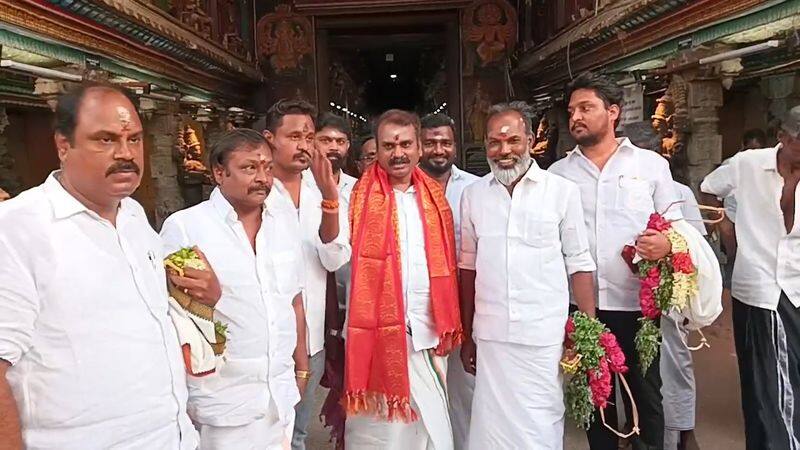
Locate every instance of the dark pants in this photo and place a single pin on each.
(646, 390)
(768, 349)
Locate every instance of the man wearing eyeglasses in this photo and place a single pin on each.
(438, 160)
(323, 228)
(366, 154)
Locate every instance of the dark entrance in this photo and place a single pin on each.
(368, 64)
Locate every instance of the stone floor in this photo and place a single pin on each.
(719, 416)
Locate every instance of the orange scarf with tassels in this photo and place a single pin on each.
(376, 357)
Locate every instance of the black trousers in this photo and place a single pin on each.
(646, 390)
(768, 349)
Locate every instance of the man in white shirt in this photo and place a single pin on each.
(766, 283)
(252, 241)
(439, 152)
(621, 185)
(523, 244)
(89, 358)
(403, 315)
(333, 140)
(314, 194)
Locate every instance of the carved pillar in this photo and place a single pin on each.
(9, 180)
(162, 133)
(703, 143)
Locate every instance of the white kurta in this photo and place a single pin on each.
(95, 359)
(522, 249)
(426, 371)
(258, 288)
(460, 384)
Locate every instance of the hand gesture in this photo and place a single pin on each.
(202, 285)
(653, 245)
(323, 175)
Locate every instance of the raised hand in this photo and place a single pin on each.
(323, 175)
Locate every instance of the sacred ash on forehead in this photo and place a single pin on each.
(504, 129)
(124, 117)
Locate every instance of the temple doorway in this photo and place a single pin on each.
(368, 64)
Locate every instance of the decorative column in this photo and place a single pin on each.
(162, 130)
(704, 143)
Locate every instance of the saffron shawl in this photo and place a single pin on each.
(376, 357)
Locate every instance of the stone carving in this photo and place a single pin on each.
(191, 13)
(478, 110)
(541, 141)
(191, 150)
(230, 16)
(491, 25)
(284, 38)
(670, 118)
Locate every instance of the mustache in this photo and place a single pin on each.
(577, 124)
(258, 188)
(302, 154)
(123, 166)
(400, 160)
(333, 155)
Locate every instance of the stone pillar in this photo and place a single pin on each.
(162, 129)
(703, 143)
(783, 92)
(9, 179)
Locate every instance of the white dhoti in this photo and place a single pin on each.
(519, 399)
(677, 377)
(266, 433)
(431, 431)
(460, 387)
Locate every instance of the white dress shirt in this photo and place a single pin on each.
(459, 179)
(256, 305)
(767, 257)
(617, 204)
(96, 362)
(689, 207)
(729, 202)
(346, 185)
(319, 258)
(414, 262)
(523, 247)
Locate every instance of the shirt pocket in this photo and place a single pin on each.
(634, 194)
(541, 230)
(284, 265)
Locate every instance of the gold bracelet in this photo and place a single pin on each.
(302, 374)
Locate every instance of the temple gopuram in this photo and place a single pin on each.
(696, 72)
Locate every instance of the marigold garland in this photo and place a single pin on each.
(666, 284)
(593, 355)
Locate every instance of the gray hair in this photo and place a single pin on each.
(518, 106)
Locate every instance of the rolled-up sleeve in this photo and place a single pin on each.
(19, 303)
(336, 253)
(722, 181)
(469, 240)
(574, 241)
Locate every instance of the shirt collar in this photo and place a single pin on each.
(65, 205)
(456, 173)
(224, 207)
(623, 144)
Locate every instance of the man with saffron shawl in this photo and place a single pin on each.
(403, 317)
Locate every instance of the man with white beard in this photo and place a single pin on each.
(523, 242)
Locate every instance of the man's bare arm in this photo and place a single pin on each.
(583, 291)
(468, 350)
(301, 349)
(10, 430)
